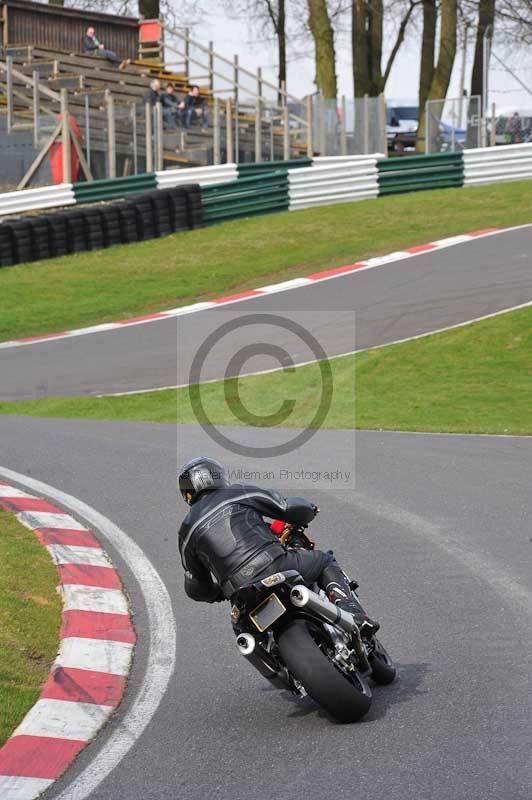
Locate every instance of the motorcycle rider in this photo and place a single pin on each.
(224, 535)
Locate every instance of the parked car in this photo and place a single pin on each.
(401, 126)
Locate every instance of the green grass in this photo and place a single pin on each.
(129, 280)
(474, 379)
(30, 611)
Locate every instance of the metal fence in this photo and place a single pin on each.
(453, 124)
(349, 127)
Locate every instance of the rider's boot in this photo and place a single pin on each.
(338, 590)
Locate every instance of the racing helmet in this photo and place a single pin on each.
(200, 475)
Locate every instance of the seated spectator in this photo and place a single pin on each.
(171, 110)
(194, 108)
(153, 94)
(94, 47)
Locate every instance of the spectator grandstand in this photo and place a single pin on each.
(44, 74)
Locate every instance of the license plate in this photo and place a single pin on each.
(267, 613)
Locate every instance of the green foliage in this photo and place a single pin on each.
(29, 620)
(474, 379)
(130, 280)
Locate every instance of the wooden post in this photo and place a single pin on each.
(36, 107)
(65, 137)
(493, 128)
(366, 124)
(159, 135)
(258, 130)
(187, 53)
(382, 124)
(286, 124)
(236, 78)
(40, 157)
(111, 136)
(217, 156)
(228, 132)
(310, 145)
(343, 132)
(211, 66)
(321, 123)
(82, 162)
(87, 131)
(149, 145)
(135, 138)
(9, 92)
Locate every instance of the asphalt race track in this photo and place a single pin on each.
(435, 527)
(438, 531)
(360, 310)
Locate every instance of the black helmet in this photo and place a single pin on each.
(200, 475)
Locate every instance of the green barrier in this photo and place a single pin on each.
(257, 194)
(418, 173)
(246, 170)
(109, 188)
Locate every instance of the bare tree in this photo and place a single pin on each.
(149, 9)
(268, 17)
(428, 49)
(367, 18)
(320, 26)
(441, 74)
(486, 21)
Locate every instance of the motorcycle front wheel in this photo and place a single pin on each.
(345, 697)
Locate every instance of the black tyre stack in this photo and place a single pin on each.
(141, 217)
(194, 205)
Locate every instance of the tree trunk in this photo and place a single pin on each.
(359, 46)
(149, 9)
(441, 75)
(428, 47)
(281, 41)
(375, 22)
(322, 32)
(486, 18)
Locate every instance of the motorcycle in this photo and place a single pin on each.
(300, 641)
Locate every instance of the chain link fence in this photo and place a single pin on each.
(453, 124)
(349, 127)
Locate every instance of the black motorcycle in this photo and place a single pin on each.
(297, 639)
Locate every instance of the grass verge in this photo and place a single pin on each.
(128, 280)
(474, 379)
(30, 611)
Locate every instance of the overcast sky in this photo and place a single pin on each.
(235, 37)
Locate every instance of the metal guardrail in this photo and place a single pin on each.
(327, 184)
(109, 188)
(416, 173)
(202, 175)
(259, 194)
(30, 199)
(229, 191)
(495, 164)
(247, 170)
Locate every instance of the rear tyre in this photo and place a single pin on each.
(383, 670)
(345, 698)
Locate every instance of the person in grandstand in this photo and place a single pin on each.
(92, 46)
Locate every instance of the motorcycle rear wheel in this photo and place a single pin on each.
(382, 667)
(325, 682)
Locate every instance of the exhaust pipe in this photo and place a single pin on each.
(303, 597)
(259, 657)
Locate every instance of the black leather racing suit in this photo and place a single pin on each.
(224, 535)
